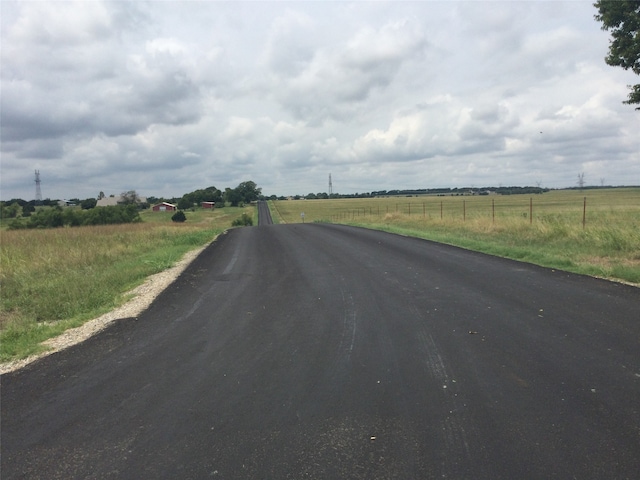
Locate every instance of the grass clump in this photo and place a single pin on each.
(245, 220)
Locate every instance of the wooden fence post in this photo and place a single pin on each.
(493, 211)
(530, 210)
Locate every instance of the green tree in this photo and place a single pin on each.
(12, 210)
(111, 215)
(233, 196)
(622, 18)
(209, 194)
(249, 191)
(28, 209)
(185, 203)
(47, 218)
(72, 217)
(88, 203)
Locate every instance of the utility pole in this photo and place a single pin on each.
(330, 185)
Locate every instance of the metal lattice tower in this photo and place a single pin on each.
(38, 191)
(330, 185)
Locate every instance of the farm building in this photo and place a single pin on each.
(208, 204)
(113, 200)
(164, 207)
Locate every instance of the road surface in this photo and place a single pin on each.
(329, 352)
(264, 214)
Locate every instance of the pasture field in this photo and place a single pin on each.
(55, 279)
(594, 231)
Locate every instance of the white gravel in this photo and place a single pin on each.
(143, 295)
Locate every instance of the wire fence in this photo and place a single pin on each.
(572, 210)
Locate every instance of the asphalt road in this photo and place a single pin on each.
(264, 215)
(328, 352)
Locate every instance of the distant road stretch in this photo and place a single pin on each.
(329, 352)
(264, 215)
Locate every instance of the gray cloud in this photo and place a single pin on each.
(167, 97)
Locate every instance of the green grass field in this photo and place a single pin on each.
(599, 236)
(55, 279)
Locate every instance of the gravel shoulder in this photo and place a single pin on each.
(142, 296)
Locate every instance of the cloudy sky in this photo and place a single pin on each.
(165, 97)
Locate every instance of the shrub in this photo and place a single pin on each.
(244, 221)
(179, 216)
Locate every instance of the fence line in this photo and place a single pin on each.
(465, 209)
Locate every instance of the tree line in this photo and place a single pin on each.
(23, 214)
(72, 217)
(244, 193)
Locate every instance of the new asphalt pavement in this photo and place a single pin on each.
(330, 352)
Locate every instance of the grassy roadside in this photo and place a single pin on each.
(576, 252)
(55, 279)
(545, 229)
(276, 218)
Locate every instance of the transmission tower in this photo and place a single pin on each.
(330, 186)
(38, 191)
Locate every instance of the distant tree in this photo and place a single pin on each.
(47, 218)
(111, 215)
(209, 194)
(28, 209)
(185, 203)
(88, 203)
(232, 196)
(622, 18)
(179, 217)
(248, 191)
(101, 195)
(10, 211)
(71, 217)
(129, 198)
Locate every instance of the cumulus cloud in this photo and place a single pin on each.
(168, 97)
